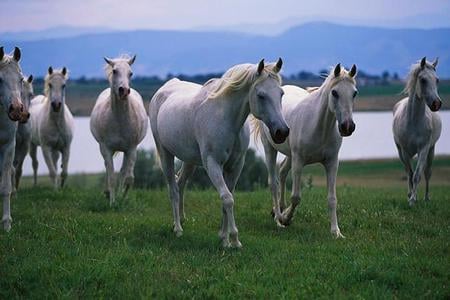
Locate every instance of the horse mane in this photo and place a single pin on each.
(240, 76)
(49, 77)
(411, 80)
(108, 68)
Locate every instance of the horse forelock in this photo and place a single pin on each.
(109, 69)
(50, 77)
(331, 80)
(8, 61)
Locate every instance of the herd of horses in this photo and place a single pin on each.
(208, 125)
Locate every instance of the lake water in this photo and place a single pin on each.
(372, 139)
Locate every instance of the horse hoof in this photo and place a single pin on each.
(337, 234)
(7, 224)
(236, 244)
(226, 243)
(272, 213)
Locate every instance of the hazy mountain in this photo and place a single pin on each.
(310, 47)
(51, 33)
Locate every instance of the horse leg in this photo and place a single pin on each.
(183, 176)
(109, 166)
(19, 157)
(231, 175)
(127, 170)
(48, 157)
(405, 158)
(331, 168)
(6, 164)
(215, 173)
(35, 163)
(427, 172)
(55, 158)
(297, 166)
(168, 168)
(65, 154)
(273, 178)
(421, 163)
(285, 167)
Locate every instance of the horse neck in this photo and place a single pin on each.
(325, 119)
(236, 108)
(416, 108)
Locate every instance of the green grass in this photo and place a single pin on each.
(70, 244)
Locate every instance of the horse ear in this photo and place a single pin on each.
(131, 60)
(30, 79)
(353, 71)
(337, 70)
(278, 65)
(64, 71)
(108, 61)
(17, 54)
(423, 62)
(435, 62)
(2, 53)
(50, 70)
(260, 67)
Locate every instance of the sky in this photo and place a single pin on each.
(21, 15)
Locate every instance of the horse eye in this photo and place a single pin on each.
(423, 81)
(437, 80)
(355, 93)
(63, 86)
(131, 74)
(31, 95)
(335, 94)
(50, 85)
(114, 71)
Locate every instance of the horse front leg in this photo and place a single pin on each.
(65, 165)
(35, 162)
(331, 168)
(427, 173)
(6, 185)
(405, 158)
(109, 166)
(273, 178)
(215, 173)
(183, 176)
(285, 167)
(421, 163)
(297, 167)
(127, 171)
(48, 157)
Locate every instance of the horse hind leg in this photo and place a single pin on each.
(427, 172)
(405, 158)
(421, 163)
(297, 167)
(48, 157)
(127, 171)
(186, 171)
(34, 161)
(168, 169)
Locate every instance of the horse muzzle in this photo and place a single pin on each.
(279, 135)
(56, 106)
(347, 127)
(124, 92)
(17, 112)
(435, 105)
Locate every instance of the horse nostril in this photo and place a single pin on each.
(121, 90)
(11, 108)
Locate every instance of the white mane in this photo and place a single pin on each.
(241, 76)
(412, 77)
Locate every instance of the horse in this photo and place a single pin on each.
(52, 126)
(119, 123)
(318, 119)
(11, 111)
(417, 125)
(23, 134)
(206, 126)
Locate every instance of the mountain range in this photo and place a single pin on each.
(311, 47)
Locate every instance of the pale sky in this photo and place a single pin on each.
(18, 15)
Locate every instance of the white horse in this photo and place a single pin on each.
(52, 126)
(119, 123)
(206, 126)
(11, 111)
(417, 126)
(23, 134)
(315, 137)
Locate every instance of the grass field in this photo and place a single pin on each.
(70, 244)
